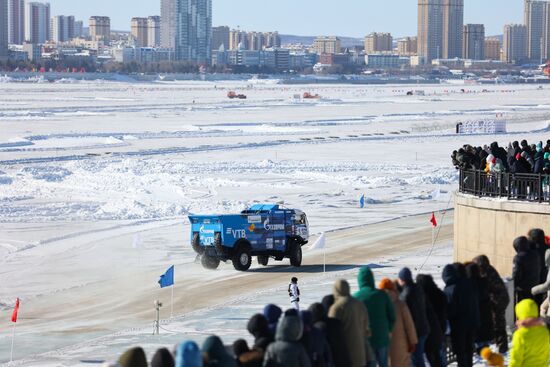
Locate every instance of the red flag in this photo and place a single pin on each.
(433, 220)
(15, 311)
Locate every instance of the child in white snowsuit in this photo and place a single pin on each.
(294, 293)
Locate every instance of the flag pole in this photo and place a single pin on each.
(172, 302)
(324, 260)
(12, 341)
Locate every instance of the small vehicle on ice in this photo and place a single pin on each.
(263, 230)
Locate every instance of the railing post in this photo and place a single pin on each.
(539, 187)
(509, 185)
(499, 183)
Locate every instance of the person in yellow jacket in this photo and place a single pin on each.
(531, 341)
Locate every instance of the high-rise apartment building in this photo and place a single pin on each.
(407, 46)
(256, 41)
(453, 26)
(272, 40)
(440, 27)
(16, 21)
(327, 45)
(378, 42)
(220, 36)
(238, 38)
(515, 44)
(168, 23)
(139, 31)
(100, 28)
(153, 31)
(474, 42)
(194, 31)
(493, 48)
(78, 28)
(37, 22)
(62, 28)
(537, 21)
(3, 29)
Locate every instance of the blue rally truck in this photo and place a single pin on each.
(263, 231)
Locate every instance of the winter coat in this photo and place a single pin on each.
(379, 306)
(498, 293)
(188, 355)
(403, 336)
(436, 297)
(499, 153)
(332, 329)
(287, 351)
(134, 357)
(462, 303)
(272, 314)
(531, 341)
(539, 162)
(414, 296)
(520, 166)
(258, 327)
(526, 271)
(315, 342)
(485, 332)
(355, 322)
(216, 353)
(544, 287)
(436, 305)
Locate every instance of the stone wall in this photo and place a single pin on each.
(489, 226)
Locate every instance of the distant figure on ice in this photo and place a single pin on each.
(294, 293)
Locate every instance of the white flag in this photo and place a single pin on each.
(320, 244)
(436, 193)
(137, 242)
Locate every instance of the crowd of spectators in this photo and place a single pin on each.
(516, 158)
(403, 322)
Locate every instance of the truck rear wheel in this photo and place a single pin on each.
(210, 262)
(295, 255)
(242, 259)
(263, 260)
(196, 243)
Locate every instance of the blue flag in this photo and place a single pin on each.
(167, 279)
(362, 201)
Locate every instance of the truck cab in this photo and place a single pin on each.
(263, 230)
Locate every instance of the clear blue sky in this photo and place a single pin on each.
(354, 18)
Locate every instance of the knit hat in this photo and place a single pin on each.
(162, 358)
(188, 355)
(386, 284)
(134, 357)
(406, 275)
(493, 359)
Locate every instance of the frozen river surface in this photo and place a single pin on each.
(97, 178)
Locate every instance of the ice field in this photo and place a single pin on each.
(97, 178)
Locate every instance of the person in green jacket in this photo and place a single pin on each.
(531, 341)
(381, 315)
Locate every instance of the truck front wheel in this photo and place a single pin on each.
(263, 260)
(210, 262)
(295, 254)
(242, 259)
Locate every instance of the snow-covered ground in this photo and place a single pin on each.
(88, 169)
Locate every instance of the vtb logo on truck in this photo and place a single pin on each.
(237, 233)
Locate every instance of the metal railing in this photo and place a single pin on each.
(522, 186)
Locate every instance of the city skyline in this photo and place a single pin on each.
(364, 19)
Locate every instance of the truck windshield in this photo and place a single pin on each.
(300, 219)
